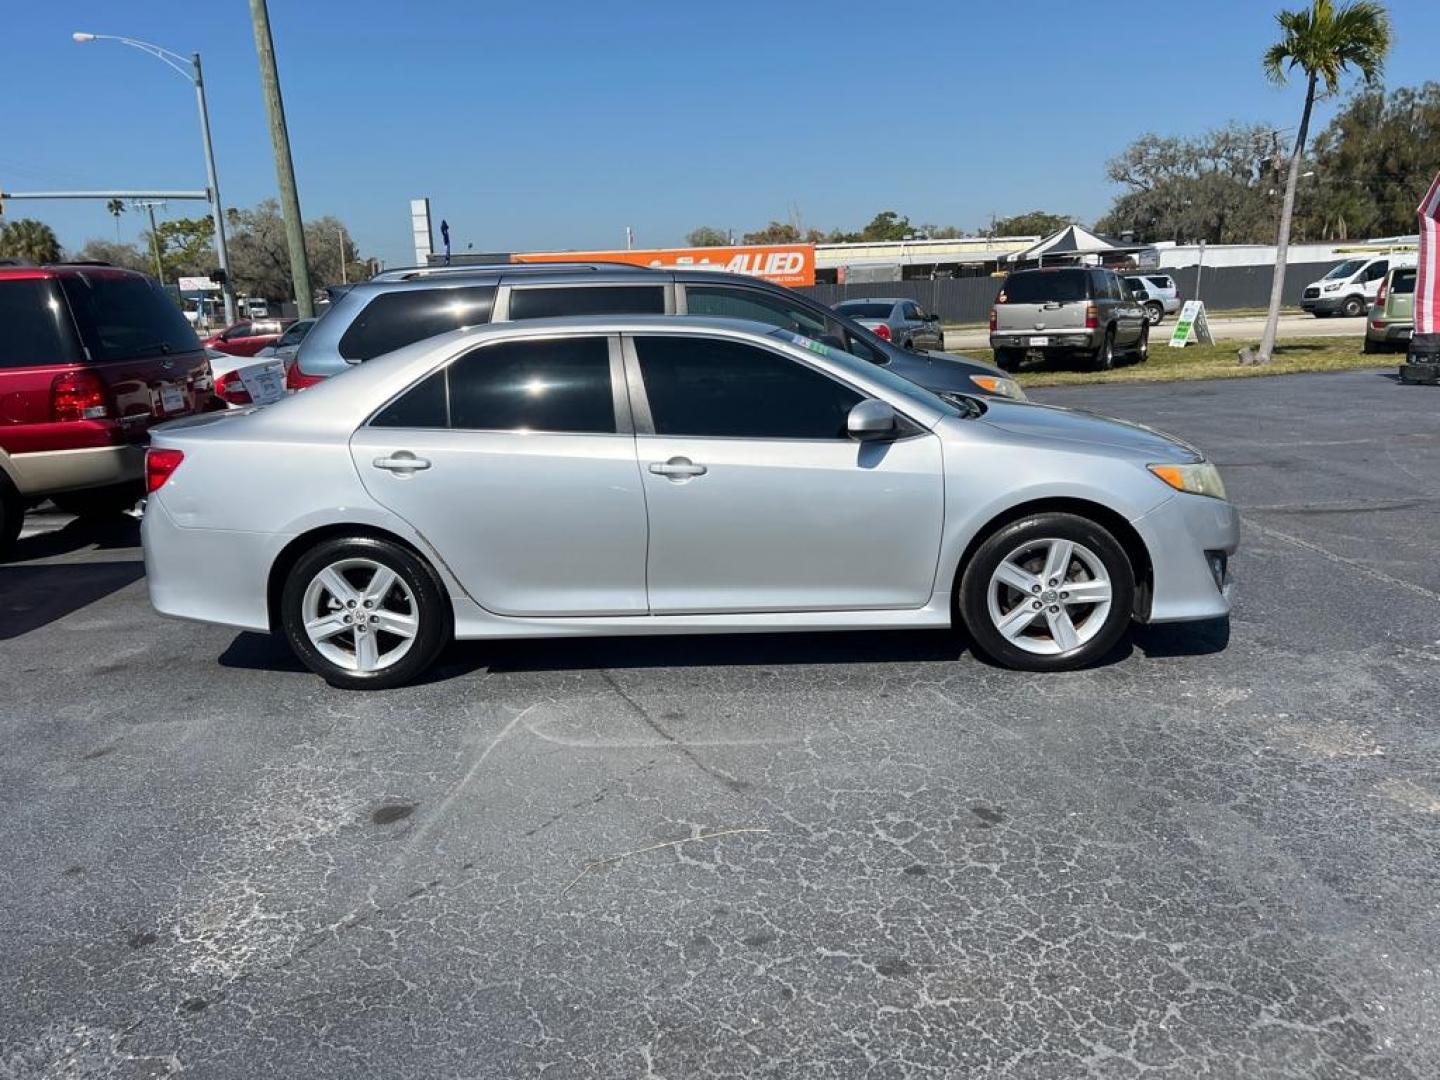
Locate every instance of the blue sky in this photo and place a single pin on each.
(556, 124)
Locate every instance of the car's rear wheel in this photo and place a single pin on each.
(1009, 359)
(1104, 358)
(1142, 349)
(1155, 312)
(99, 502)
(1050, 592)
(1371, 345)
(364, 614)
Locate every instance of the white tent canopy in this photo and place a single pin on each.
(1072, 241)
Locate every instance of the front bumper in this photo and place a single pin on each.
(49, 472)
(1191, 539)
(1326, 305)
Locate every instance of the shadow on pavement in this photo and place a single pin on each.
(104, 534)
(35, 596)
(1183, 639)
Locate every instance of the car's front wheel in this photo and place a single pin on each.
(364, 614)
(1050, 592)
(1155, 312)
(1354, 307)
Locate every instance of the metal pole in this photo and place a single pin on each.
(155, 244)
(222, 253)
(284, 166)
(1199, 269)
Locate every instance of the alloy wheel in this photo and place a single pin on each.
(360, 615)
(1049, 596)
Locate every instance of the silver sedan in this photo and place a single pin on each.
(670, 475)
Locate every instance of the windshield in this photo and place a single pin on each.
(851, 363)
(864, 309)
(1344, 270)
(1044, 287)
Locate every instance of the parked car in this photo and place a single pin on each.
(398, 307)
(247, 337)
(656, 475)
(897, 319)
(1349, 289)
(242, 381)
(1067, 312)
(1157, 292)
(90, 357)
(1392, 317)
(287, 345)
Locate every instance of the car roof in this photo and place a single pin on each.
(54, 270)
(877, 300)
(421, 273)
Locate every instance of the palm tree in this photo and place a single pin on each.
(30, 240)
(116, 208)
(1324, 41)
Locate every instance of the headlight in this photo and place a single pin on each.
(1201, 479)
(998, 384)
(1332, 288)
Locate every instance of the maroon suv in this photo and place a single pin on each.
(90, 357)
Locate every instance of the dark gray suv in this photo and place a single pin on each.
(398, 307)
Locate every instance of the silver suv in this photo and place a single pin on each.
(399, 307)
(1073, 311)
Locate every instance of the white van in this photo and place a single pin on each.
(1349, 289)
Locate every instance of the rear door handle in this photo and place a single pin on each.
(402, 462)
(677, 468)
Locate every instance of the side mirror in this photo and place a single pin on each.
(870, 421)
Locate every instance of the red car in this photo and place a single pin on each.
(248, 337)
(90, 357)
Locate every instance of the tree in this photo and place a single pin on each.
(777, 232)
(30, 240)
(1213, 187)
(186, 246)
(707, 236)
(1031, 223)
(1369, 162)
(126, 255)
(116, 207)
(887, 225)
(1324, 41)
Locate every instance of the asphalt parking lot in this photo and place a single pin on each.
(822, 856)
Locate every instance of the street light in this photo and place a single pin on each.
(190, 69)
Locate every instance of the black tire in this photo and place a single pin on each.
(1155, 312)
(909, 344)
(1103, 359)
(1371, 347)
(12, 517)
(103, 502)
(432, 612)
(1142, 348)
(1009, 359)
(1354, 306)
(974, 591)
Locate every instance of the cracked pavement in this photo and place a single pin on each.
(853, 855)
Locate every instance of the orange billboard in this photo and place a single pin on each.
(784, 264)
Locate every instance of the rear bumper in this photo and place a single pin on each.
(1393, 333)
(208, 575)
(1054, 340)
(1190, 539)
(49, 472)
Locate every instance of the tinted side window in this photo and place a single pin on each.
(546, 303)
(1402, 282)
(562, 384)
(395, 319)
(1377, 270)
(123, 316)
(238, 330)
(736, 302)
(425, 405)
(726, 389)
(34, 325)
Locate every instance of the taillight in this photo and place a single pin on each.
(994, 319)
(1092, 317)
(295, 379)
(883, 331)
(1380, 295)
(232, 388)
(159, 465)
(78, 395)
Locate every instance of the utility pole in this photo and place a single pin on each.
(149, 205)
(343, 279)
(284, 166)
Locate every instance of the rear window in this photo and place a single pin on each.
(35, 328)
(546, 303)
(120, 318)
(395, 319)
(860, 309)
(1045, 286)
(1403, 281)
(1161, 282)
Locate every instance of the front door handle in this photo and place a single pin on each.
(402, 463)
(678, 468)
